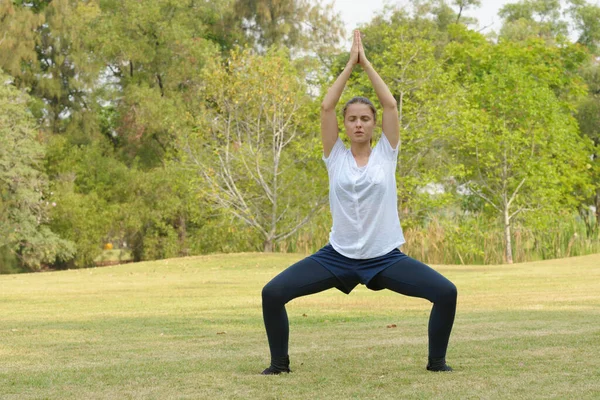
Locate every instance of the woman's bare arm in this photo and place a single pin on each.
(329, 125)
(390, 124)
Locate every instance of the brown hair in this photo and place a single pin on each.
(360, 100)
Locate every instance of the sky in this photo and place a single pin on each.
(355, 12)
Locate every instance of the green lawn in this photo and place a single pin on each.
(192, 328)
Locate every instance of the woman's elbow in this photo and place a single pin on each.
(327, 107)
(391, 103)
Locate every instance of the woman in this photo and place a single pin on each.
(366, 233)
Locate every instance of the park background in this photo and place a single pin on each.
(134, 131)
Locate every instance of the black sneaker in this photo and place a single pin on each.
(278, 366)
(443, 368)
(438, 365)
(275, 371)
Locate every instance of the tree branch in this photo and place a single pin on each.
(478, 193)
(317, 208)
(521, 209)
(514, 195)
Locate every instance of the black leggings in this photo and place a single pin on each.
(409, 277)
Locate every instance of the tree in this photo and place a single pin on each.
(464, 5)
(249, 145)
(17, 37)
(51, 62)
(24, 196)
(296, 24)
(588, 117)
(443, 13)
(153, 53)
(541, 18)
(523, 152)
(587, 24)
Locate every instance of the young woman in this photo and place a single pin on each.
(366, 233)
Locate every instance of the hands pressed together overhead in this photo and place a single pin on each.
(390, 120)
(357, 52)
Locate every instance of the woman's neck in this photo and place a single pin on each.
(361, 152)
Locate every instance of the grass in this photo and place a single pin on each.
(192, 329)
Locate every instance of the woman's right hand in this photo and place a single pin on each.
(329, 123)
(355, 50)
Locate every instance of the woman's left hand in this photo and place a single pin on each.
(362, 59)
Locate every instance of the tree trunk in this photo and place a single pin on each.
(182, 236)
(268, 246)
(507, 241)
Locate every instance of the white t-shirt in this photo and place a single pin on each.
(363, 201)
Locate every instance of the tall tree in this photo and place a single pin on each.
(541, 18)
(464, 5)
(296, 24)
(255, 162)
(523, 152)
(444, 13)
(154, 52)
(18, 37)
(24, 196)
(588, 117)
(586, 17)
(60, 75)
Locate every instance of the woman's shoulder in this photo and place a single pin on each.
(384, 148)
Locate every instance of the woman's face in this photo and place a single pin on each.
(359, 123)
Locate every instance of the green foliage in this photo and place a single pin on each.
(522, 151)
(51, 62)
(100, 199)
(587, 23)
(86, 189)
(161, 133)
(531, 18)
(154, 69)
(24, 197)
(479, 239)
(295, 24)
(17, 46)
(159, 43)
(441, 13)
(246, 149)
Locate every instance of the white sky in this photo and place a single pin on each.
(355, 12)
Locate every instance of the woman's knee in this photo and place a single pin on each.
(273, 293)
(448, 293)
